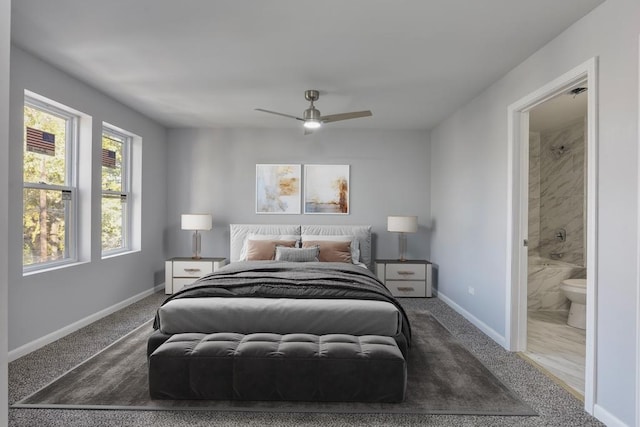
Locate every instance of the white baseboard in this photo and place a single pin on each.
(56, 335)
(607, 417)
(500, 339)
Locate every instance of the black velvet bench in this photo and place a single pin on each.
(264, 366)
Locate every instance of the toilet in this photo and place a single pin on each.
(576, 291)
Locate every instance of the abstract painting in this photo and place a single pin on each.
(278, 189)
(326, 189)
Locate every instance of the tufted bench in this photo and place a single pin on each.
(264, 366)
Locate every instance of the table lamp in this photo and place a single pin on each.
(196, 222)
(402, 225)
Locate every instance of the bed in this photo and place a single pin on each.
(296, 315)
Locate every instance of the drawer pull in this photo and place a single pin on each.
(405, 289)
(192, 270)
(406, 273)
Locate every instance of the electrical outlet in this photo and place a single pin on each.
(472, 290)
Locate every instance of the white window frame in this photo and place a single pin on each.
(127, 139)
(71, 180)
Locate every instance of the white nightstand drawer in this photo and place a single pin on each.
(411, 278)
(191, 268)
(178, 284)
(407, 288)
(183, 271)
(405, 271)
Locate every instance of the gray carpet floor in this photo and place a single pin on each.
(27, 374)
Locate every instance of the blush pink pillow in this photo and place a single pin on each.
(331, 251)
(265, 250)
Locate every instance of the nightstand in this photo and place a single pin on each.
(179, 272)
(411, 278)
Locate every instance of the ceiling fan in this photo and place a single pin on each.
(311, 117)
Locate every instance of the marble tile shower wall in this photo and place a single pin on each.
(534, 191)
(556, 201)
(562, 170)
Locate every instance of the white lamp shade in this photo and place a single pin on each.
(196, 221)
(402, 224)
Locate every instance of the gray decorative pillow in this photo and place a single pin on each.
(297, 254)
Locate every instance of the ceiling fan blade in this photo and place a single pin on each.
(345, 116)
(279, 114)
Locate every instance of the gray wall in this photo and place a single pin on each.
(5, 38)
(469, 194)
(213, 170)
(42, 303)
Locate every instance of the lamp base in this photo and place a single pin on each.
(403, 246)
(196, 240)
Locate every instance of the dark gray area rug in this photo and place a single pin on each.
(443, 378)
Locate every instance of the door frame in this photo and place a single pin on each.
(638, 273)
(517, 222)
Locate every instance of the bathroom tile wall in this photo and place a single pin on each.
(534, 192)
(556, 201)
(562, 171)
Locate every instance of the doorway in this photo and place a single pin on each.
(518, 204)
(556, 267)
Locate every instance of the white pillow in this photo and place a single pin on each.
(355, 244)
(252, 236)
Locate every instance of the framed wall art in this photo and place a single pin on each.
(278, 189)
(326, 189)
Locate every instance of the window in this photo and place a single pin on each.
(49, 184)
(116, 187)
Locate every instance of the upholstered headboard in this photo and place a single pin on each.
(362, 233)
(239, 232)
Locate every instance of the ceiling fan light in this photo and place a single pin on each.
(312, 124)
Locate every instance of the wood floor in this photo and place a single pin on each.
(557, 347)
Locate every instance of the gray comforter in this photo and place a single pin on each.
(315, 280)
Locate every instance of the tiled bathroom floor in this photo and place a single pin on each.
(557, 347)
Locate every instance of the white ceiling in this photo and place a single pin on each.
(209, 63)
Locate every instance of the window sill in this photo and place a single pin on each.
(51, 268)
(115, 254)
